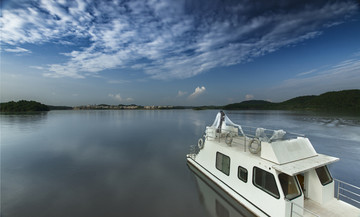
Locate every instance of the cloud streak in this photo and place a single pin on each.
(165, 39)
(343, 75)
(17, 50)
(181, 93)
(118, 98)
(307, 72)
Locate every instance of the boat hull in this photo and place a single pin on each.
(250, 209)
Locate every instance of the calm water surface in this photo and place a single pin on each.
(132, 163)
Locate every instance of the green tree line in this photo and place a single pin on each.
(345, 100)
(23, 106)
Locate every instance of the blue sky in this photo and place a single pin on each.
(176, 52)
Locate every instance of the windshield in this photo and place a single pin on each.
(324, 175)
(290, 186)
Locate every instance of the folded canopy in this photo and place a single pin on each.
(222, 119)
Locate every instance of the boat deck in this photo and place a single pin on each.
(331, 209)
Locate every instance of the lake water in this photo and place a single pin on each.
(133, 163)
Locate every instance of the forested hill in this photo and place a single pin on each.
(23, 106)
(345, 100)
(250, 105)
(336, 101)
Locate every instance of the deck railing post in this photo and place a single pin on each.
(338, 190)
(348, 191)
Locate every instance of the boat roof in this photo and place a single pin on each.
(303, 165)
(292, 154)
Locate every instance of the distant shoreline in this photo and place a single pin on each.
(335, 101)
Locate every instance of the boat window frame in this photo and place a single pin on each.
(297, 184)
(246, 171)
(264, 189)
(327, 172)
(222, 168)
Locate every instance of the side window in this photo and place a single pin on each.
(223, 163)
(289, 186)
(324, 175)
(242, 174)
(265, 181)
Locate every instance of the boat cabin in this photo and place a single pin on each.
(271, 172)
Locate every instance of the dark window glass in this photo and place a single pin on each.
(265, 181)
(242, 174)
(290, 186)
(223, 163)
(324, 175)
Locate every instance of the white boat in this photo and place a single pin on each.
(216, 201)
(270, 172)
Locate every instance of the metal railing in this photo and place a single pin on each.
(251, 132)
(347, 192)
(294, 213)
(226, 135)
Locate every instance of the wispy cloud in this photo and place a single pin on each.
(118, 98)
(307, 72)
(17, 50)
(37, 67)
(66, 43)
(343, 75)
(357, 54)
(165, 39)
(181, 93)
(249, 96)
(198, 91)
(129, 99)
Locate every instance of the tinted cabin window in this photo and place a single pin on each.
(265, 181)
(223, 163)
(242, 174)
(290, 186)
(324, 175)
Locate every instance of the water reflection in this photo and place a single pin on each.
(98, 163)
(132, 163)
(26, 122)
(215, 200)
